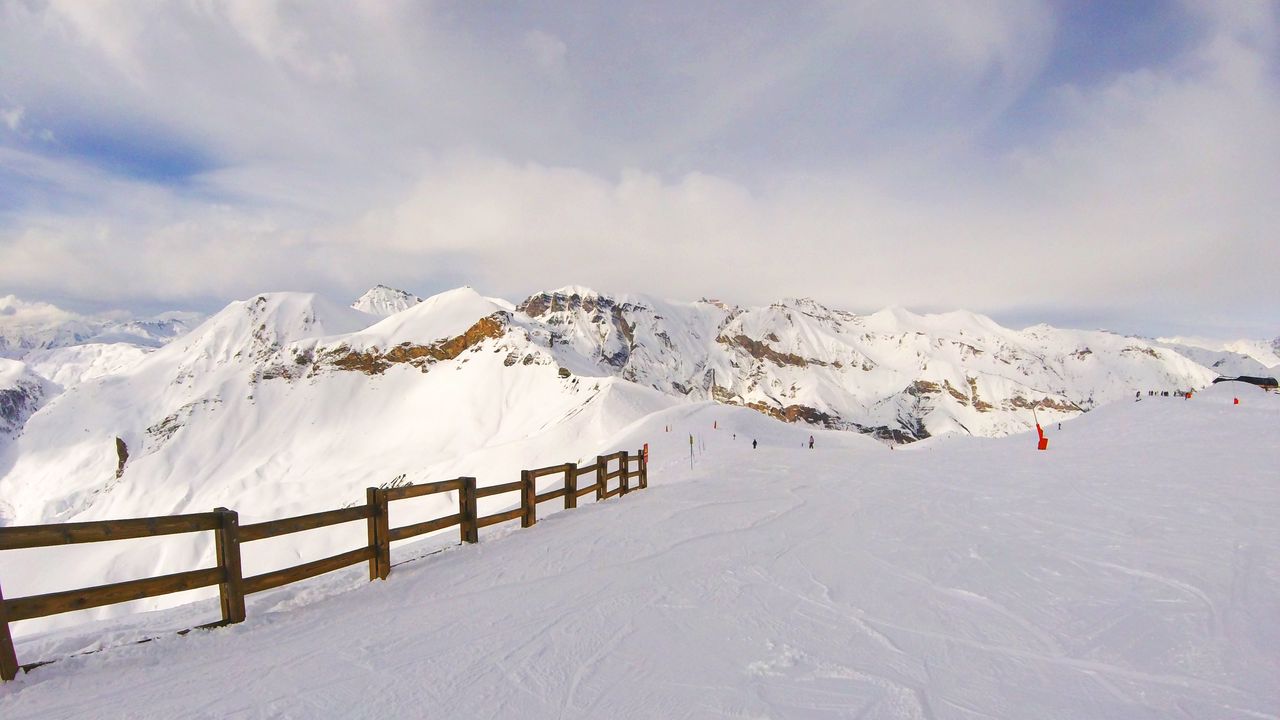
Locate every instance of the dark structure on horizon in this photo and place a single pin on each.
(1266, 383)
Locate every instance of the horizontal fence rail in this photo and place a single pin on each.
(32, 536)
(34, 606)
(230, 536)
(276, 528)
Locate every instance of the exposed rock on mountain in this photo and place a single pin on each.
(21, 394)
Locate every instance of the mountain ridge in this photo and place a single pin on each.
(287, 403)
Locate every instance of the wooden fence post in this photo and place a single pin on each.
(227, 545)
(467, 511)
(528, 499)
(375, 569)
(602, 473)
(384, 535)
(570, 486)
(644, 468)
(8, 658)
(625, 477)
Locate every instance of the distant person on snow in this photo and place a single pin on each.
(753, 444)
(810, 442)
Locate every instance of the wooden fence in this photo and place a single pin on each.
(229, 536)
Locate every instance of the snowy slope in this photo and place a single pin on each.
(1130, 572)
(72, 365)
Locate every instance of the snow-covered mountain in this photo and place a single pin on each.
(1223, 362)
(1230, 357)
(26, 327)
(895, 374)
(382, 301)
(287, 403)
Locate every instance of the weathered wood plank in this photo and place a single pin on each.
(528, 499)
(371, 503)
(415, 529)
(30, 536)
(570, 486)
(412, 491)
(551, 470)
(227, 548)
(35, 606)
(584, 491)
(8, 657)
(299, 523)
(602, 476)
(551, 495)
(498, 489)
(501, 517)
(469, 531)
(276, 578)
(384, 535)
(587, 470)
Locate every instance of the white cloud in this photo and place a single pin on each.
(17, 314)
(838, 151)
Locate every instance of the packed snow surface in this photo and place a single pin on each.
(1131, 571)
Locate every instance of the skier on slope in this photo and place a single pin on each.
(753, 444)
(810, 442)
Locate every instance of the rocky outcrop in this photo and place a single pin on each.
(122, 457)
(376, 361)
(21, 394)
(762, 351)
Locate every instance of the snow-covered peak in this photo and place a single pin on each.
(11, 371)
(438, 317)
(254, 329)
(383, 301)
(579, 290)
(892, 319)
(808, 306)
(570, 297)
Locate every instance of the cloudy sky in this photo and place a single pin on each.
(1085, 163)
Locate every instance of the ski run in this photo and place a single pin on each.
(1131, 571)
